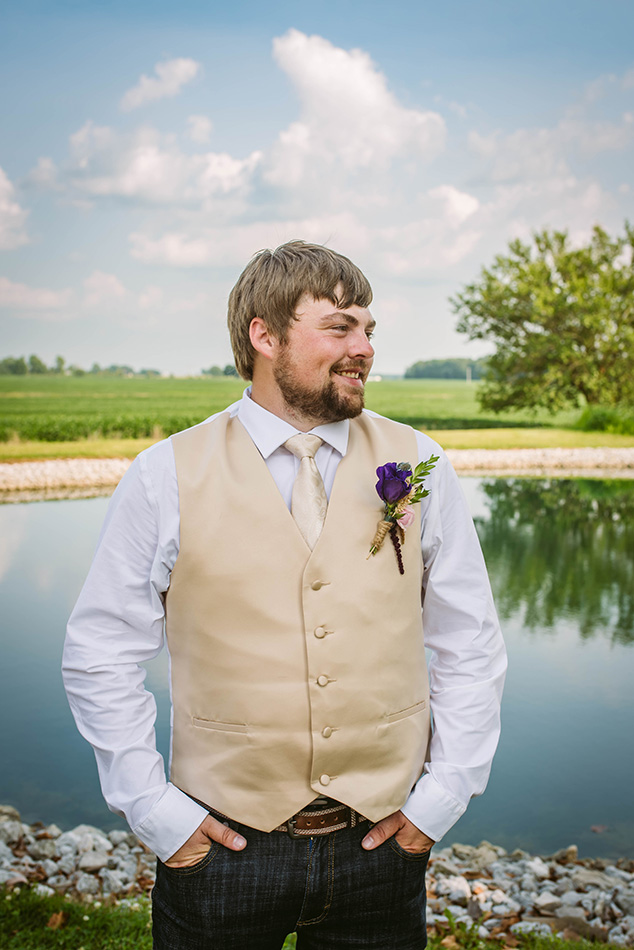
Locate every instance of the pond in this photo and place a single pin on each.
(561, 560)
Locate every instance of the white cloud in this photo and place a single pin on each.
(44, 175)
(101, 288)
(171, 76)
(151, 297)
(199, 128)
(458, 205)
(12, 216)
(21, 297)
(145, 166)
(233, 245)
(538, 154)
(349, 117)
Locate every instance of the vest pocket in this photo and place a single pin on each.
(408, 711)
(219, 726)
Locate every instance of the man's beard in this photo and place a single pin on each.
(325, 404)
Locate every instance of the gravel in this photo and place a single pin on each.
(81, 478)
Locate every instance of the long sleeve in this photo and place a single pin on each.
(117, 625)
(468, 658)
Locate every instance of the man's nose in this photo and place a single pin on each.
(362, 347)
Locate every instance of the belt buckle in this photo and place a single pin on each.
(290, 828)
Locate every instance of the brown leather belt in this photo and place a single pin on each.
(315, 820)
(320, 818)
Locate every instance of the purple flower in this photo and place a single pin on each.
(393, 483)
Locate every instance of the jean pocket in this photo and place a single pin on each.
(194, 868)
(408, 855)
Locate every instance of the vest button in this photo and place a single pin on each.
(324, 779)
(326, 732)
(316, 585)
(320, 632)
(322, 680)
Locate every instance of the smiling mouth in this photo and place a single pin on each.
(354, 376)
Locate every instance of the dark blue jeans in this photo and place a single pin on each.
(328, 889)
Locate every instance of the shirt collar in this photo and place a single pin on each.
(269, 432)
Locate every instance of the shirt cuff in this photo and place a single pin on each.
(431, 808)
(174, 818)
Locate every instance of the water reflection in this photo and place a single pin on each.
(562, 571)
(561, 549)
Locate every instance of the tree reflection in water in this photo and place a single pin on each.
(562, 549)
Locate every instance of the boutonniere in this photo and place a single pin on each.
(400, 488)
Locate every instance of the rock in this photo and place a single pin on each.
(625, 900)
(127, 868)
(531, 927)
(10, 831)
(463, 852)
(67, 844)
(441, 866)
(618, 938)
(42, 890)
(112, 882)
(585, 877)
(58, 882)
(567, 912)
(49, 867)
(8, 811)
(42, 849)
(567, 855)
(66, 864)
(484, 855)
(90, 838)
(14, 877)
(87, 884)
(93, 860)
(538, 868)
(546, 902)
(456, 889)
(571, 898)
(53, 831)
(6, 854)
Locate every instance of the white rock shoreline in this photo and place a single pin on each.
(77, 478)
(509, 893)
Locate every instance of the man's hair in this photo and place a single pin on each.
(272, 284)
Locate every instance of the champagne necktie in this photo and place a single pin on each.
(309, 502)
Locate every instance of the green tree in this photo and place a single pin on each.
(445, 369)
(230, 370)
(561, 319)
(60, 363)
(10, 366)
(36, 365)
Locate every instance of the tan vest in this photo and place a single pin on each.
(294, 674)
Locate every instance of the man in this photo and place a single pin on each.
(306, 787)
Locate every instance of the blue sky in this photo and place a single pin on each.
(147, 150)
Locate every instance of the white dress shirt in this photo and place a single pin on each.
(118, 623)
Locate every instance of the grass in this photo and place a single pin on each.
(31, 922)
(97, 417)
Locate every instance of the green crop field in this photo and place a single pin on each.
(97, 417)
(59, 409)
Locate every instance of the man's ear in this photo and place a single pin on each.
(262, 340)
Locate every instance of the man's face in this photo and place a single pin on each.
(321, 369)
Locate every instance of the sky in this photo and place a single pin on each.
(147, 150)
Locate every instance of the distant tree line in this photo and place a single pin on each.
(34, 366)
(229, 370)
(447, 369)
